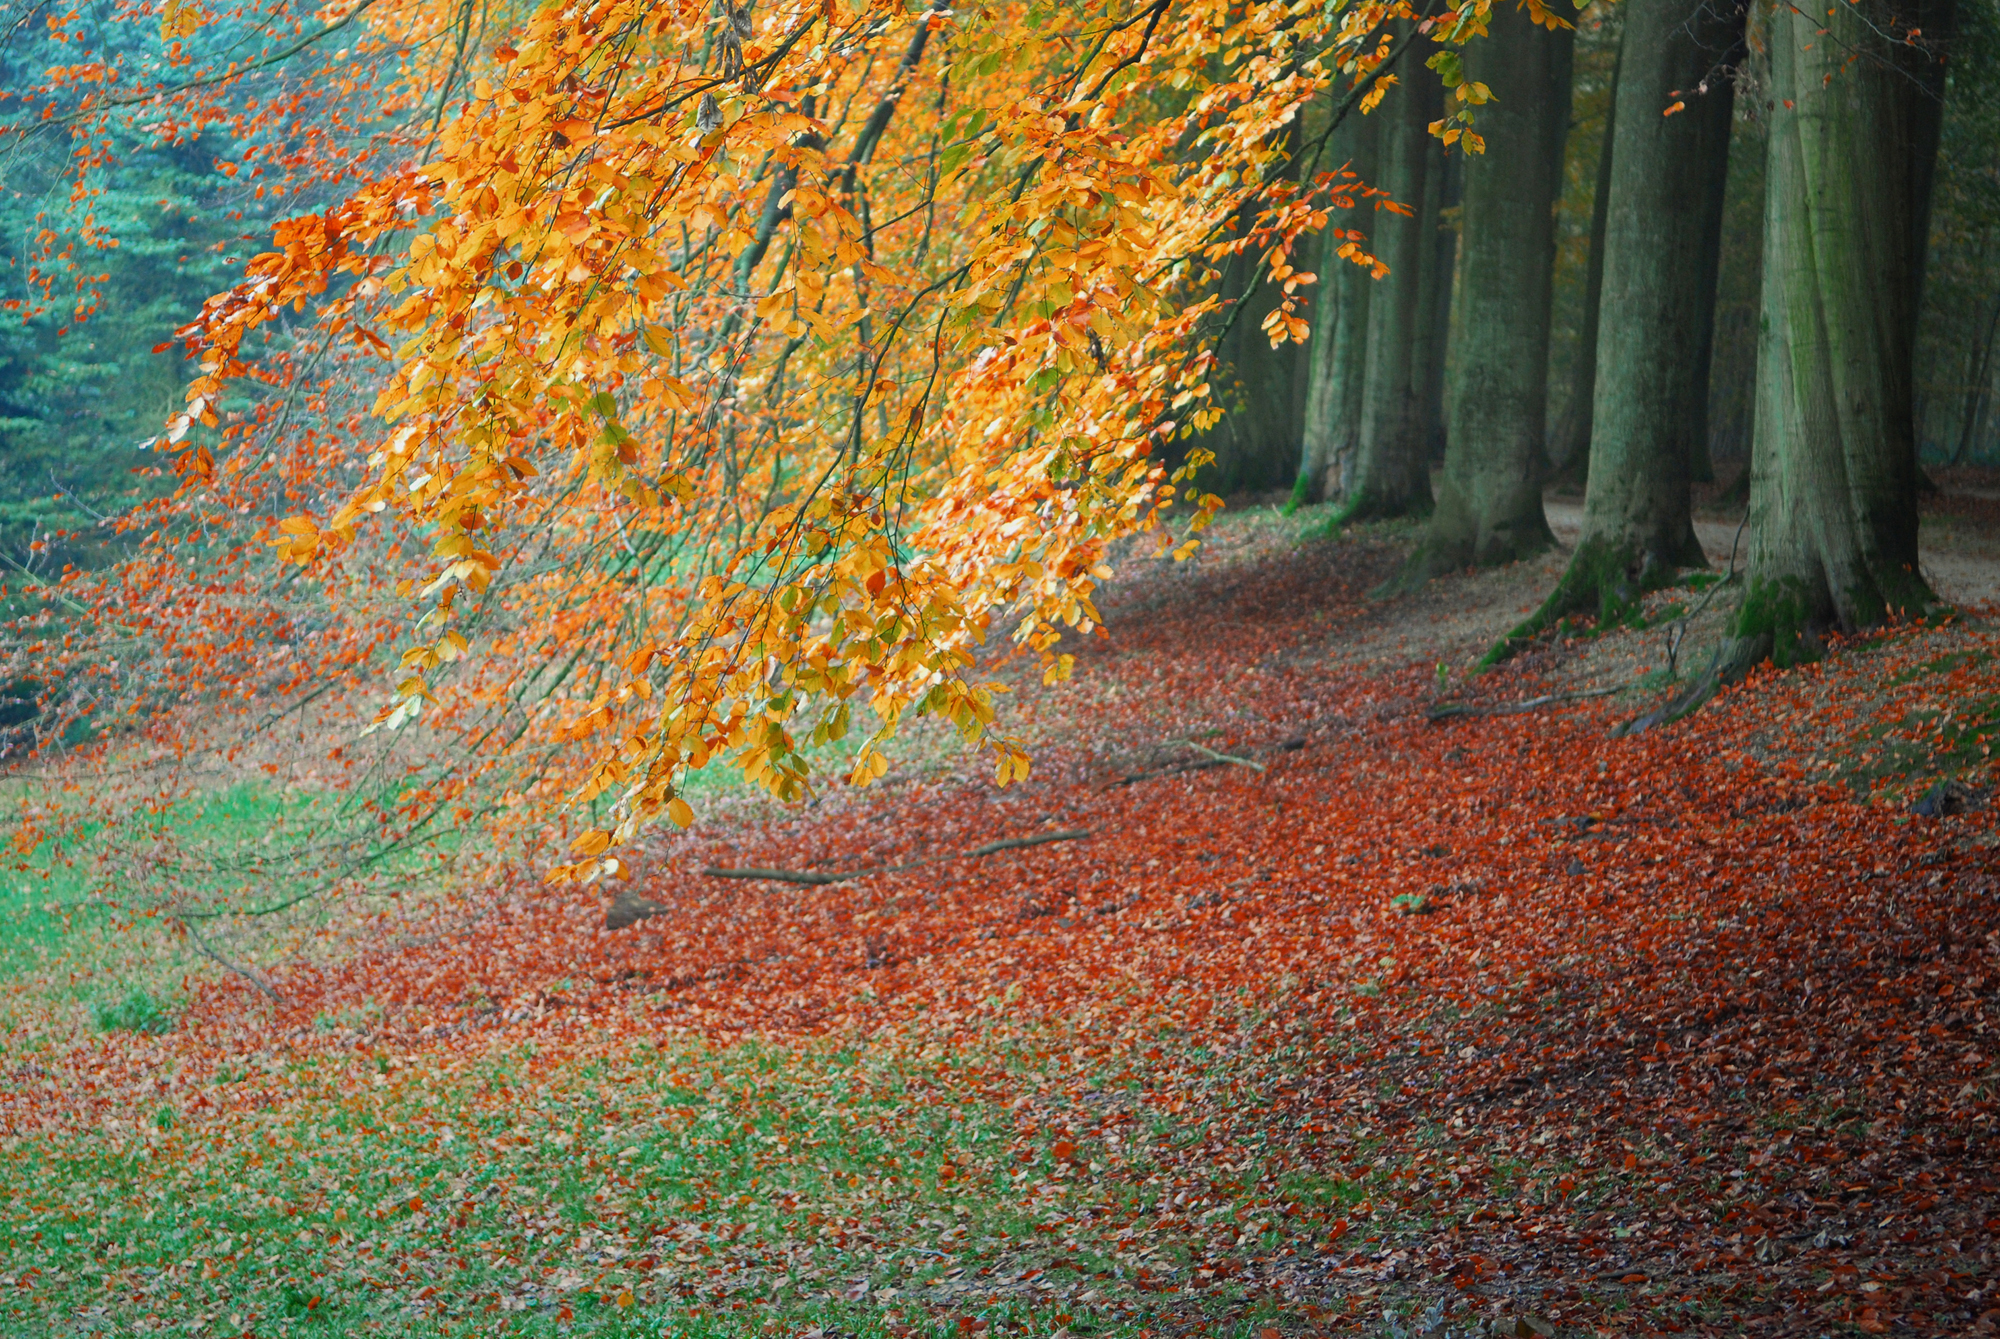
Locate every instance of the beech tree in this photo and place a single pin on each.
(1391, 472)
(1569, 443)
(1434, 300)
(1490, 506)
(1263, 386)
(1663, 228)
(1338, 358)
(1855, 103)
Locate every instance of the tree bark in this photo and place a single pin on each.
(1569, 446)
(1445, 172)
(1391, 476)
(1979, 383)
(1490, 507)
(1340, 334)
(1715, 191)
(1833, 497)
(1263, 390)
(1662, 240)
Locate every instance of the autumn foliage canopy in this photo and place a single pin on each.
(666, 383)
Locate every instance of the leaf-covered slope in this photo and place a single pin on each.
(1679, 1032)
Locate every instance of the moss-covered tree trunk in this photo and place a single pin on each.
(1833, 495)
(1391, 476)
(1340, 331)
(1663, 230)
(1490, 506)
(1833, 519)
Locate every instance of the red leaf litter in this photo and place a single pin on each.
(1682, 1032)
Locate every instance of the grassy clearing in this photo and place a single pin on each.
(648, 1187)
(78, 909)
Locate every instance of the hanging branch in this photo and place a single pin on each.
(202, 947)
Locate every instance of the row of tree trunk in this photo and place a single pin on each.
(1852, 102)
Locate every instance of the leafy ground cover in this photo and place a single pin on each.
(1495, 1021)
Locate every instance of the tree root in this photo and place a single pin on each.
(1302, 489)
(1375, 506)
(1611, 578)
(1732, 660)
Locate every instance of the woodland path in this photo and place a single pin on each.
(1962, 567)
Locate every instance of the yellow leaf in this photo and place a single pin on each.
(181, 19)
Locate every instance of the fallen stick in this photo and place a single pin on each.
(1222, 757)
(1014, 843)
(1174, 770)
(1514, 708)
(1213, 759)
(782, 875)
(816, 877)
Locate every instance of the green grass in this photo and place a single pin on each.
(648, 1189)
(60, 867)
(1928, 743)
(73, 909)
(139, 1011)
(1944, 664)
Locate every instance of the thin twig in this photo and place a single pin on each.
(202, 947)
(209, 81)
(1680, 630)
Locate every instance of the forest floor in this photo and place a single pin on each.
(1379, 998)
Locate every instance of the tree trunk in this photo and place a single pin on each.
(1490, 508)
(1569, 446)
(1446, 173)
(1978, 386)
(1263, 389)
(1391, 476)
(1662, 240)
(1719, 89)
(1340, 334)
(1833, 497)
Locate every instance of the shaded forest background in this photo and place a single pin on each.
(84, 381)
(95, 282)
